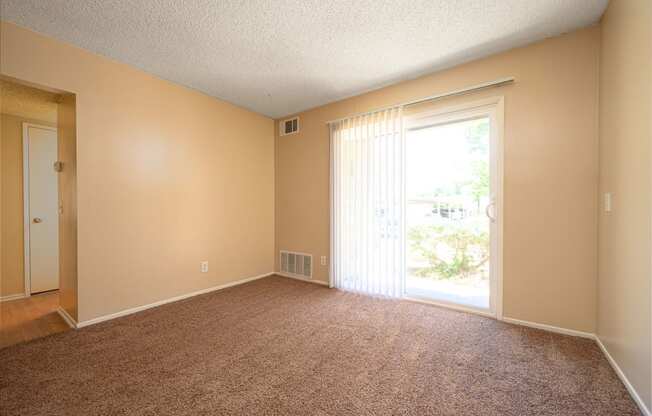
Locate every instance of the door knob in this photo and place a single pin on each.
(37, 220)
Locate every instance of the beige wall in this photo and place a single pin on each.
(624, 234)
(167, 177)
(550, 182)
(67, 154)
(12, 280)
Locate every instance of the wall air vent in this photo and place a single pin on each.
(296, 264)
(289, 126)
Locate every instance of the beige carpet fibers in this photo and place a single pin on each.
(282, 347)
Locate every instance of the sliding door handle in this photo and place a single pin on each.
(489, 211)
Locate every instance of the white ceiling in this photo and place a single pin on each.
(278, 57)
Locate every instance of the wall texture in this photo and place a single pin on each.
(624, 233)
(550, 173)
(166, 177)
(12, 277)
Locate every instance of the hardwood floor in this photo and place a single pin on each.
(34, 317)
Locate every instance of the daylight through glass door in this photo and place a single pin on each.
(449, 209)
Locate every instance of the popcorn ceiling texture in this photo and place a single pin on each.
(282, 57)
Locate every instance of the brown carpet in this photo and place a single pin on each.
(282, 347)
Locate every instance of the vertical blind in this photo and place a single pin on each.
(367, 208)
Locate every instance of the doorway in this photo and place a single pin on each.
(38, 280)
(453, 207)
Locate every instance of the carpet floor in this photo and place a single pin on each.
(277, 346)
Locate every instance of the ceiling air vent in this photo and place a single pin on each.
(289, 126)
(296, 264)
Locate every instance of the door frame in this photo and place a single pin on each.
(26, 214)
(493, 107)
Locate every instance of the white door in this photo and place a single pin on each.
(41, 208)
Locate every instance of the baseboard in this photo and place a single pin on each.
(66, 317)
(550, 328)
(319, 282)
(632, 391)
(164, 301)
(8, 298)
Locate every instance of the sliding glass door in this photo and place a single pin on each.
(451, 214)
(415, 205)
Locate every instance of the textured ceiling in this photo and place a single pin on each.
(26, 102)
(278, 57)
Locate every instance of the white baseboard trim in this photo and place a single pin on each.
(630, 388)
(550, 328)
(66, 317)
(8, 298)
(319, 282)
(164, 301)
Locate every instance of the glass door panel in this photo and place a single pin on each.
(448, 211)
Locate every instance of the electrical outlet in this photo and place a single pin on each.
(204, 267)
(323, 260)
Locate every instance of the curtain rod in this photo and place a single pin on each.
(490, 84)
